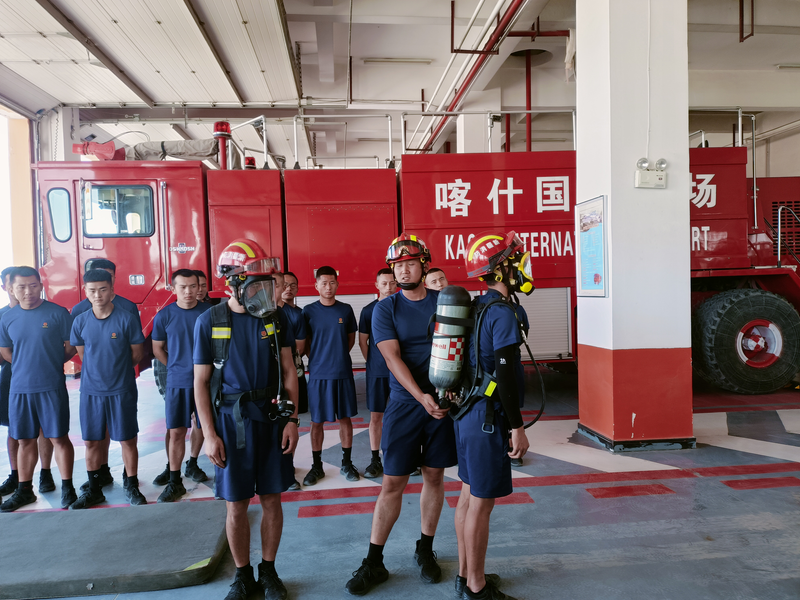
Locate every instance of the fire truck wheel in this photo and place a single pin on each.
(747, 341)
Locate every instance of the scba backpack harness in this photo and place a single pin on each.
(220, 344)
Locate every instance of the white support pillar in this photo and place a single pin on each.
(472, 132)
(634, 346)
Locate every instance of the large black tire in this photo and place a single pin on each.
(719, 335)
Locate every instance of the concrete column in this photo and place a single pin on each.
(472, 133)
(634, 346)
(16, 197)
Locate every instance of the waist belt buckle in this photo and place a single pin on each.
(487, 428)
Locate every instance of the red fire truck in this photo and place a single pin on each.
(152, 218)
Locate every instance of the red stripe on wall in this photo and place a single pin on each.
(332, 510)
(762, 483)
(621, 491)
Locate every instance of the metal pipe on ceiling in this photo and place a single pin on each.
(528, 116)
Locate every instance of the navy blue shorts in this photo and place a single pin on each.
(118, 413)
(377, 393)
(411, 437)
(331, 399)
(29, 412)
(5, 388)
(258, 468)
(483, 462)
(179, 406)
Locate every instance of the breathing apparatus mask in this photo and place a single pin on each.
(257, 295)
(519, 275)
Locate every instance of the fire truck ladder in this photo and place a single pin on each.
(781, 241)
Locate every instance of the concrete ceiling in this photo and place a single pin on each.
(146, 65)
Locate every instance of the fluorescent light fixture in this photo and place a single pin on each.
(410, 61)
(788, 66)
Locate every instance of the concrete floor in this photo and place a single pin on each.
(721, 521)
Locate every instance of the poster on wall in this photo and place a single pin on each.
(591, 235)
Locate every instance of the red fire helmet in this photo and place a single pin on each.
(488, 250)
(246, 257)
(407, 247)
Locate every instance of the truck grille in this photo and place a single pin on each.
(790, 227)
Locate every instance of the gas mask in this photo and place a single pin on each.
(521, 275)
(257, 295)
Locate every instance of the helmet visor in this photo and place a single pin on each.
(258, 297)
(406, 250)
(264, 266)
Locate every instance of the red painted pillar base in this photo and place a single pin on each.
(636, 399)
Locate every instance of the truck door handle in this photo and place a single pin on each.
(165, 235)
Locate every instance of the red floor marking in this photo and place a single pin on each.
(331, 510)
(600, 478)
(622, 491)
(762, 483)
(747, 469)
(306, 494)
(515, 498)
(333, 427)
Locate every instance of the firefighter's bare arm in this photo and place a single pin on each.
(363, 343)
(505, 362)
(301, 347)
(290, 435)
(351, 340)
(160, 351)
(69, 351)
(215, 449)
(137, 353)
(6, 354)
(390, 350)
(79, 350)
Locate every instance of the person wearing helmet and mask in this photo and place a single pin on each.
(415, 430)
(240, 348)
(484, 456)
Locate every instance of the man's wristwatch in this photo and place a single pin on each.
(294, 420)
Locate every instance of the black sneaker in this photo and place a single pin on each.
(516, 462)
(489, 592)
(314, 475)
(375, 469)
(430, 572)
(271, 584)
(68, 496)
(242, 588)
(461, 583)
(367, 576)
(294, 487)
(88, 499)
(172, 492)
(350, 472)
(163, 477)
(104, 478)
(194, 473)
(19, 499)
(9, 485)
(134, 496)
(46, 483)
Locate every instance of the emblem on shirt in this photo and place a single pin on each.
(340, 320)
(44, 325)
(113, 336)
(263, 334)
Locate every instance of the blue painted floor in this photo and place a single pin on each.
(721, 521)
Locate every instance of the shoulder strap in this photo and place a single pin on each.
(220, 344)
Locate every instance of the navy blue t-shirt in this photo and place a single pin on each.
(294, 316)
(404, 320)
(5, 368)
(330, 326)
(37, 338)
(376, 364)
(498, 330)
(107, 366)
(118, 301)
(175, 326)
(251, 365)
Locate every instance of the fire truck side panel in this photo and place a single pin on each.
(448, 199)
(342, 218)
(774, 192)
(721, 211)
(244, 204)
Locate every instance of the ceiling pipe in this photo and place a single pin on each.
(528, 115)
(496, 38)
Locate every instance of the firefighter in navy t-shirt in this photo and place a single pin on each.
(295, 315)
(415, 430)
(34, 337)
(331, 334)
(250, 447)
(377, 371)
(82, 307)
(9, 486)
(173, 344)
(109, 341)
(484, 455)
